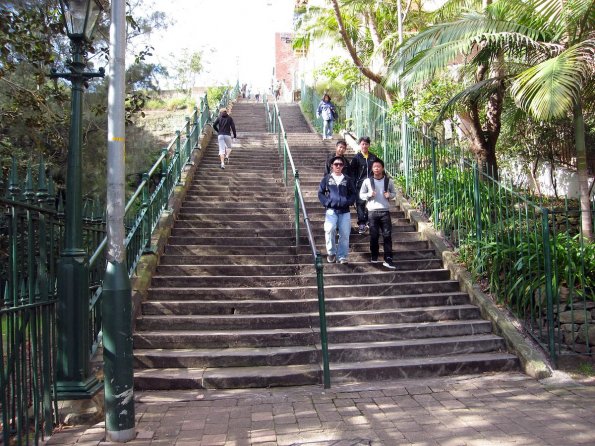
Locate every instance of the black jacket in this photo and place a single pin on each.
(224, 125)
(361, 168)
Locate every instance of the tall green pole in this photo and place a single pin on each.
(117, 292)
(73, 371)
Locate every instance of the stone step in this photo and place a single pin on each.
(227, 378)
(292, 375)
(362, 246)
(273, 269)
(305, 260)
(303, 292)
(366, 278)
(434, 366)
(295, 337)
(311, 354)
(256, 306)
(230, 238)
(274, 232)
(299, 320)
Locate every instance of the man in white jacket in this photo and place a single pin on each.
(378, 190)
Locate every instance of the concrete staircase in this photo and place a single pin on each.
(234, 302)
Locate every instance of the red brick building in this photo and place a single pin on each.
(285, 60)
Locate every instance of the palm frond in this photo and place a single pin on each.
(453, 8)
(478, 91)
(439, 45)
(549, 90)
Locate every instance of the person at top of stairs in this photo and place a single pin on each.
(224, 126)
(340, 149)
(337, 193)
(327, 111)
(378, 191)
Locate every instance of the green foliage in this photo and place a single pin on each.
(428, 101)
(155, 104)
(187, 67)
(180, 103)
(214, 95)
(338, 76)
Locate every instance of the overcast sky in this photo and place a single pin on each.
(236, 36)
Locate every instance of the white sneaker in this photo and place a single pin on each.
(222, 165)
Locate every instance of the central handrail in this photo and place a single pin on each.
(275, 125)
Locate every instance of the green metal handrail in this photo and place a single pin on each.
(145, 206)
(275, 125)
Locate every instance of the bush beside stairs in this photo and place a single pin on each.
(233, 303)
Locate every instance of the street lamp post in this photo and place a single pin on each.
(73, 373)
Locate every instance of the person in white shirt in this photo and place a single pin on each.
(377, 191)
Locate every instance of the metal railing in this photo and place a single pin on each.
(144, 208)
(31, 231)
(32, 228)
(530, 252)
(275, 125)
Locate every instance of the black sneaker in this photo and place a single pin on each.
(226, 160)
(361, 229)
(388, 263)
(374, 260)
(331, 258)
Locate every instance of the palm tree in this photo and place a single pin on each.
(541, 51)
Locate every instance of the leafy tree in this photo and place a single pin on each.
(188, 66)
(542, 49)
(34, 109)
(365, 29)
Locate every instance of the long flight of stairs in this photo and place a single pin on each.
(234, 302)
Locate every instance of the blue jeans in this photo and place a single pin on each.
(332, 222)
(327, 128)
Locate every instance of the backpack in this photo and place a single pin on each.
(372, 185)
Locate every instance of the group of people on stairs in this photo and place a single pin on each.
(364, 183)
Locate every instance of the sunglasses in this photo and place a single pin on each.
(337, 164)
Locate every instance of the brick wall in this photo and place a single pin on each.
(285, 61)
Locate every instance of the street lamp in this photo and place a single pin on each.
(73, 375)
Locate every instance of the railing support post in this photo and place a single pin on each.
(435, 218)
(296, 207)
(322, 314)
(477, 204)
(549, 292)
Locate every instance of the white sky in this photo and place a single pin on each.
(235, 36)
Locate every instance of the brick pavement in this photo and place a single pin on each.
(498, 409)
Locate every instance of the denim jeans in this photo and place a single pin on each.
(327, 128)
(380, 223)
(332, 222)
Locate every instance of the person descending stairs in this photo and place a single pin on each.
(233, 303)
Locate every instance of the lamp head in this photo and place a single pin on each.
(80, 17)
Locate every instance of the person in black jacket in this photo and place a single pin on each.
(340, 149)
(337, 193)
(361, 168)
(224, 126)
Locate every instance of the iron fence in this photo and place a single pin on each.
(529, 253)
(32, 228)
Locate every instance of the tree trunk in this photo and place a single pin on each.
(583, 177)
(377, 78)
